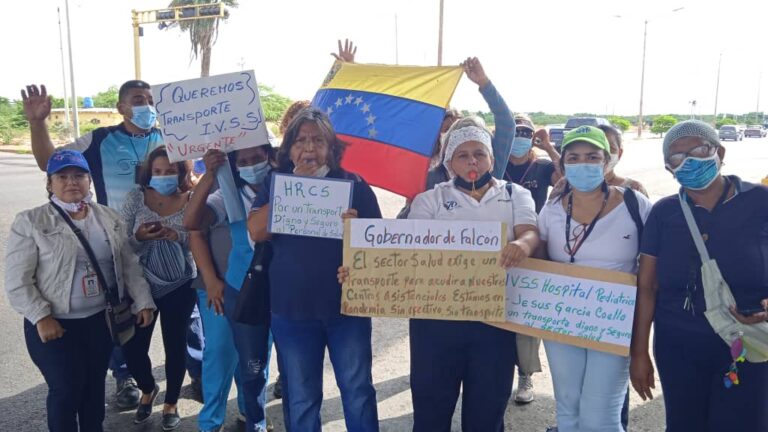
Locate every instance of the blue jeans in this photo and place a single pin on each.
(302, 346)
(254, 346)
(219, 366)
(447, 356)
(117, 364)
(74, 367)
(590, 387)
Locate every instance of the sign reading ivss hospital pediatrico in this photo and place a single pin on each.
(309, 206)
(220, 112)
(581, 306)
(424, 269)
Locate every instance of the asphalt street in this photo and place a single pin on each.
(23, 391)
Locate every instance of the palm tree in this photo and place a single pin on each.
(202, 32)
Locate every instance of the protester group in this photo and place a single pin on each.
(92, 275)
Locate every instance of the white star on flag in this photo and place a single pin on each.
(372, 132)
(371, 118)
(338, 102)
(348, 99)
(358, 101)
(365, 108)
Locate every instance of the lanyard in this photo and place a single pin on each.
(525, 174)
(577, 243)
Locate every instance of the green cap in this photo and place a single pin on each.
(587, 134)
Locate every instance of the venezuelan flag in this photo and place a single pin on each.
(390, 116)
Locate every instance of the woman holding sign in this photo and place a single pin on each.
(250, 166)
(306, 295)
(595, 225)
(446, 355)
(700, 345)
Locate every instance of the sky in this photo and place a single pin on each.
(553, 56)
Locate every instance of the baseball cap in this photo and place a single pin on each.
(522, 120)
(588, 134)
(64, 159)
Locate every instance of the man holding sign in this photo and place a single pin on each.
(305, 295)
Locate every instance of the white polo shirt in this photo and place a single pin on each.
(447, 202)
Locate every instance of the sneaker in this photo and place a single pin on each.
(524, 393)
(277, 392)
(197, 390)
(127, 394)
(171, 420)
(145, 410)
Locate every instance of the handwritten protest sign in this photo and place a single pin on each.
(582, 306)
(222, 112)
(424, 269)
(309, 206)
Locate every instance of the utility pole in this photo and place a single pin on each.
(76, 129)
(717, 86)
(642, 83)
(440, 38)
(759, 82)
(63, 72)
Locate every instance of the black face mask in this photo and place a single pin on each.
(482, 181)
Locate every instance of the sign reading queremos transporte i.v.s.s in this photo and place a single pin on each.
(219, 112)
(450, 270)
(424, 269)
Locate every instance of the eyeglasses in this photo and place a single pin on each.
(523, 133)
(738, 354)
(304, 144)
(76, 178)
(702, 151)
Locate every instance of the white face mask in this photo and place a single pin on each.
(72, 207)
(612, 162)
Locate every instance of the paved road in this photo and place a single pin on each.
(22, 389)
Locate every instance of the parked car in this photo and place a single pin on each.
(730, 132)
(754, 131)
(556, 134)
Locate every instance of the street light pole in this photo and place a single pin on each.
(63, 72)
(440, 38)
(76, 129)
(642, 83)
(717, 86)
(136, 44)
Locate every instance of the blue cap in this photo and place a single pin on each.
(66, 158)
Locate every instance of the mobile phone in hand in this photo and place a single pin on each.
(153, 226)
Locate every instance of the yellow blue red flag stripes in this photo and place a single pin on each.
(390, 116)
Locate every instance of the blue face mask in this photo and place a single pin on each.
(584, 177)
(520, 147)
(165, 185)
(144, 116)
(254, 174)
(697, 173)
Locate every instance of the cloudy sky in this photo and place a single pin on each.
(554, 56)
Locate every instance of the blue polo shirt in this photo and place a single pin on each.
(737, 238)
(303, 273)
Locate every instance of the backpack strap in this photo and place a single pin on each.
(630, 199)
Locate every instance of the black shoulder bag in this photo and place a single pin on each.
(120, 320)
(630, 200)
(252, 305)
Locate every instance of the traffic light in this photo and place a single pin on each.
(210, 10)
(166, 15)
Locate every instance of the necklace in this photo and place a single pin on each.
(577, 243)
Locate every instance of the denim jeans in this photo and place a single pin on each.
(254, 346)
(447, 356)
(219, 366)
(302, 345)
(117, 364)
(590, 387)
(74, 367)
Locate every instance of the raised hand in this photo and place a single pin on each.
(475, 72)
(347, 53)
(37, 103)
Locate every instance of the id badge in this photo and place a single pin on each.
(90, 285)
(137, 174)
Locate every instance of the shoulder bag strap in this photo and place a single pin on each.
(693, 227)
(630, 200)
(112, 295)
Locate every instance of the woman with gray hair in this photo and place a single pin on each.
(707, 385)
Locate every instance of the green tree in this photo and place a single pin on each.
(274, 104)
(202, 32)
(621, 123)
(106, 99)
(662, 123)
(725, 121)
